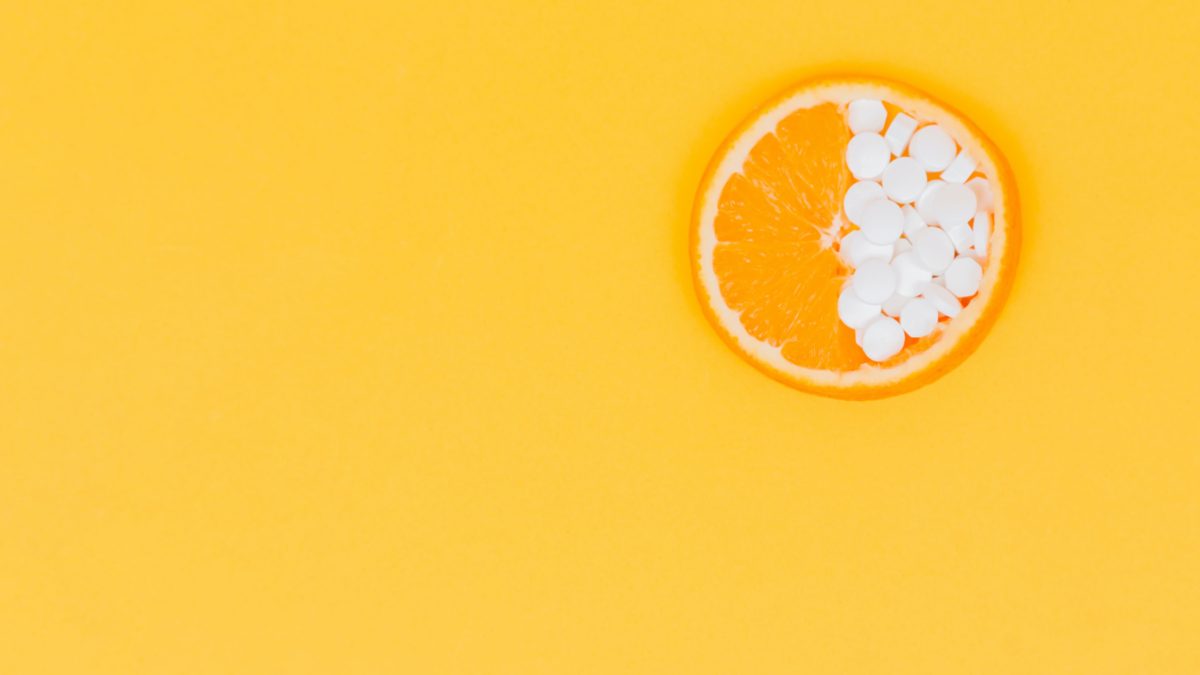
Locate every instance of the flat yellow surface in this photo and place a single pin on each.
(344, 338)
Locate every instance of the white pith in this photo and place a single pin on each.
(947, 333)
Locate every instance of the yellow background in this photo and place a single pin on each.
(360, 339)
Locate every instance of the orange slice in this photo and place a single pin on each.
(765, 229)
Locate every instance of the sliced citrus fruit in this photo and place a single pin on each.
(855, 237)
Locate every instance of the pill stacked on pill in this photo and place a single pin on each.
(919, 223)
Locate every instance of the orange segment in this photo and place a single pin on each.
(775, 221)
(765, 229)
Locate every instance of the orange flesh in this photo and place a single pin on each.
(774, 259)
(776, 224)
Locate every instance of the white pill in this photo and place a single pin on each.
(925, 201)
(883, 339)
(895, 305)
(858, 332)
(909, 274)
(899, 131)
(962, 237)
(983, 193)
(903, 179)
(855, 248)
(854, 312)
(933, 249)
(953, 204)
(963, 276)
(919, 317)
(941, 298)
(859, 194)
(981, 231)
(874, 282)
(960, 169)
(882, 221)
(932, 147)
(866, 115)
(867, 155)
(912, 220)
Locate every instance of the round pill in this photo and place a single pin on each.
(883, 339)
(895, 305)
(960, 169)
(882, 221)
(932, 147)
(962, 237)
(854, 312)
(941, 298)
(981, 230)
(866, 115)
(858, 332)
(963, 276)
(953, 204)
(933, 249)
(903, 179)
(925, 201)
(909, 274)
(912, 220)
(859, 194)
(898, 132)
(867, 155)
(855, 248)
(874, 282)
(919, 317)
(983, 193)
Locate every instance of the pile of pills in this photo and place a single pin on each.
(922, 220)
